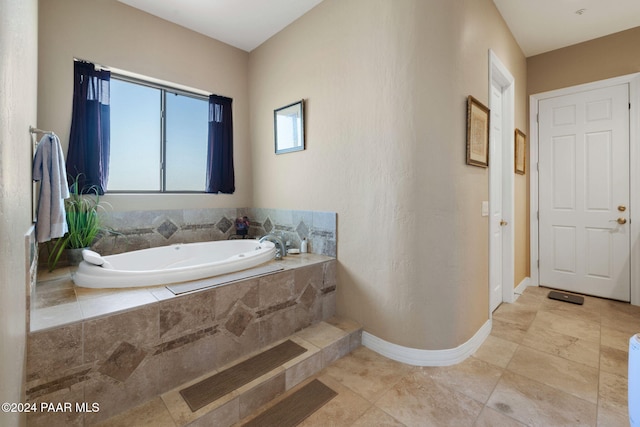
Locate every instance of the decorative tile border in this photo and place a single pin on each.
(319, 228)
(145, 229)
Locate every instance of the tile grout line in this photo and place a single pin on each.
(538, 309)
(375, 403)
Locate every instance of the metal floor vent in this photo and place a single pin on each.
(563, 296)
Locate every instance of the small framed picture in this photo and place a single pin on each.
(477, 133)
(288, 125)
(521, 152)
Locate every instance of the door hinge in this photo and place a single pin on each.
(537, 118)
(538, 263)
(538, 166)
(538, 214)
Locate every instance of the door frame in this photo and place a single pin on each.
(499, 74)
(634, 172)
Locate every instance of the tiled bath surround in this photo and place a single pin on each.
(123, 359)
(145, 229)
(127, 358)
(148, 229)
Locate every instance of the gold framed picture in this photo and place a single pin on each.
(477, 133)
(521, 152)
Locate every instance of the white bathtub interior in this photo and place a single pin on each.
(171, 264)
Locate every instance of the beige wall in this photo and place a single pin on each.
(385, 84)
(110, 33)
(599, 59)
(18, 68)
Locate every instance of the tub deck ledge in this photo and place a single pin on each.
(56, 301)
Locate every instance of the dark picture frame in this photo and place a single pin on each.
(288, 125)
(477, 133)
(520, 141)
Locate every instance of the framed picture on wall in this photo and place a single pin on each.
(521, 152)
(288, 125)
(477, 133)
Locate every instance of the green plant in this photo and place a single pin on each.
(82, 219)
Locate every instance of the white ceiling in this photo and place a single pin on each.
(245, 24)
(543, 25)
(537, 25)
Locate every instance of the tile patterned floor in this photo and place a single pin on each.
(546, 363)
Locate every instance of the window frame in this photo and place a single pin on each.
(164, 89)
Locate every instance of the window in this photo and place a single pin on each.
(158, 138)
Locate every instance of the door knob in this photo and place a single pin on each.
(622, 208)
(621, 221)
(503, 223)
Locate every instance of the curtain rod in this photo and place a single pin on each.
(97, 66)
(169, 85)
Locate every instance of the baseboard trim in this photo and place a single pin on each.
(417, 357)
(522, 286)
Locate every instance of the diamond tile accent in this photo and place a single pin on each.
(302, 230)
(123, 361)
(239, 321)
(224, 224)
(308, 296)
(267, 225)
(167, 229)
(169, 319)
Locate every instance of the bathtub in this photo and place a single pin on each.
(171, 264)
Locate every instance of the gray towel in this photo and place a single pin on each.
(50, 170)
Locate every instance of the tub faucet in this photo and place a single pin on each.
(281, 248)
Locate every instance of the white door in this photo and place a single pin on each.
(496, 223)
(584, 192)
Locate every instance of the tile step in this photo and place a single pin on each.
(325, 342)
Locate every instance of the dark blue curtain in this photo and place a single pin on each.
(220, 178)
(88, 154)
